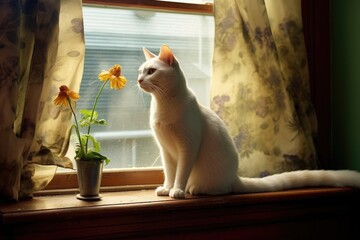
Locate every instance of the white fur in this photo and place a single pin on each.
(197, 152)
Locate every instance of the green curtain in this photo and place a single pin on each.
(260, 85)
(41, 48)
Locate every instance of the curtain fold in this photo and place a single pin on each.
(260, 85)
(41, 48)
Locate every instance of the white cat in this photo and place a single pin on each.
(197, 152)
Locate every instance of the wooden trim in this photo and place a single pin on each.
(111, 179)
(319, 213)
(206, 8)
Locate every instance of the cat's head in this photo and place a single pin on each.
(160, 75)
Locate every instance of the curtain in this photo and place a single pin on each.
(41, 48)
(260, 85)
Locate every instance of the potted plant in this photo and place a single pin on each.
(89, 160)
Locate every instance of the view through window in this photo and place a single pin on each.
(116, 35)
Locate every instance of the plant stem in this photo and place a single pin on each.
(92, 113)
(76, 125)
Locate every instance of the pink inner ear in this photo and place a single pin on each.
(166, 55)
(148, 55)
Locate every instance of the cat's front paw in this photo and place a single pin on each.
(162, 191)
(177, 193)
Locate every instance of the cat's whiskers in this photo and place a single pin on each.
(139, 94)
(158, 91)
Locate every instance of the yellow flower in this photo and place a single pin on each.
(64, 94)
(117, 81)
(104, 75)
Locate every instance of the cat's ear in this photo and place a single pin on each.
(166, 55)
(148, 54)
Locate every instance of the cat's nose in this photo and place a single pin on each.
(140, 80)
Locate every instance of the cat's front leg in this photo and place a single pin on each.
(177, 193)
(169, 175)
(183, 171)
(162, 191)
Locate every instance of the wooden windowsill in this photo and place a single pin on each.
(140, 213)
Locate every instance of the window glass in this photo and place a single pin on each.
(115, 35)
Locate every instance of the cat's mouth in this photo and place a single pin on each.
(143, 86)
(151, 87)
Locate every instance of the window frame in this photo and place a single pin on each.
(206, 9)
(134, 178)
(316, 23)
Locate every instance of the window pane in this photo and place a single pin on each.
(115, 35)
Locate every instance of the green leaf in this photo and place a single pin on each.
(96, 156)
(79, 153)
(83, 139)
(101, 122)
(95, 143)
(87, 113)
(86, 120)
(92, 155)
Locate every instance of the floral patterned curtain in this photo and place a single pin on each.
(260, 85)
(41, 48)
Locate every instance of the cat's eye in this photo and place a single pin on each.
(151, 71)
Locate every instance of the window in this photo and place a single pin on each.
(116, 34)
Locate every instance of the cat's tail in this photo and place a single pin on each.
(298, 179)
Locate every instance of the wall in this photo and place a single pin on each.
(346, 83)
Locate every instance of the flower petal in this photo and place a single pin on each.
(115, 70)
(117, 82)
(65, 94)
(61, 99)
(64, 88)
(73, 95)
(104, 75)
